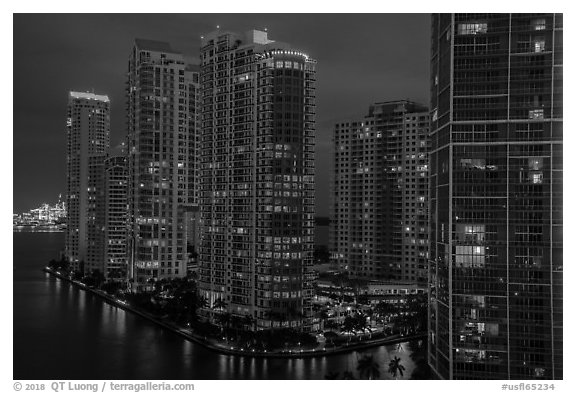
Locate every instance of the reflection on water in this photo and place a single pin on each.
(61, 332)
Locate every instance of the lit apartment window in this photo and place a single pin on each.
(535, 163)
(470, 256)
(539, 44)
(536, 177)
(538, 24)
(473, 163)
(472, 28)
(536, 114)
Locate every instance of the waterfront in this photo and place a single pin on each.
(61, 332)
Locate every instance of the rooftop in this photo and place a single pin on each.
(89, 96)
(396, 106)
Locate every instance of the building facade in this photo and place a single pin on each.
(161, 146)
(496, 196)
(379, 197)
(257, 178)
(88, 138)
(116, 228)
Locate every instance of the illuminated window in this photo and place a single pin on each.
(473, 163)
(538, 24)
(535, 163)
(470, 256)
(539, 45)
(472, 28)
(471, 233)
(536, 114)
(536, 177)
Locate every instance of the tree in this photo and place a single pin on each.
(384, 308)
(249, 321)
(236, 323)
(348, 327)
(360, 323)
(202, 302)
(61, 264)
(323, 315)
(224, 319)
(219, 304)
(394, 367)
(330, 336)
(330, 325)
(368, 368)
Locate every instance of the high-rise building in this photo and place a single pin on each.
(191, 210)
(88, 138)
(496, 196)
(257, 178)
(379, 194)
(161, 152)
(116, 229)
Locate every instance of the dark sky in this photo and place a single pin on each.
(362, 58)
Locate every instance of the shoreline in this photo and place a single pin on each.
(187, 335)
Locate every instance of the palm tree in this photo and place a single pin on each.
(368, 368)
(202, 302)
(330, 336)
(219, 304)
(249, 321)
(348, 327)
(394, 367)
(224, 320)
(361, 324)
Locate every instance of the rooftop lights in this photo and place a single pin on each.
(89, 96)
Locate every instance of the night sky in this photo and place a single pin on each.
(362, 58)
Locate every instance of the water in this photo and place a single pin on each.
(61, 332)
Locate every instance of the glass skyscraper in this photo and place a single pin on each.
(162, 138)
(257, 178)
(495, 270)
(88, 139)
(379, 215)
